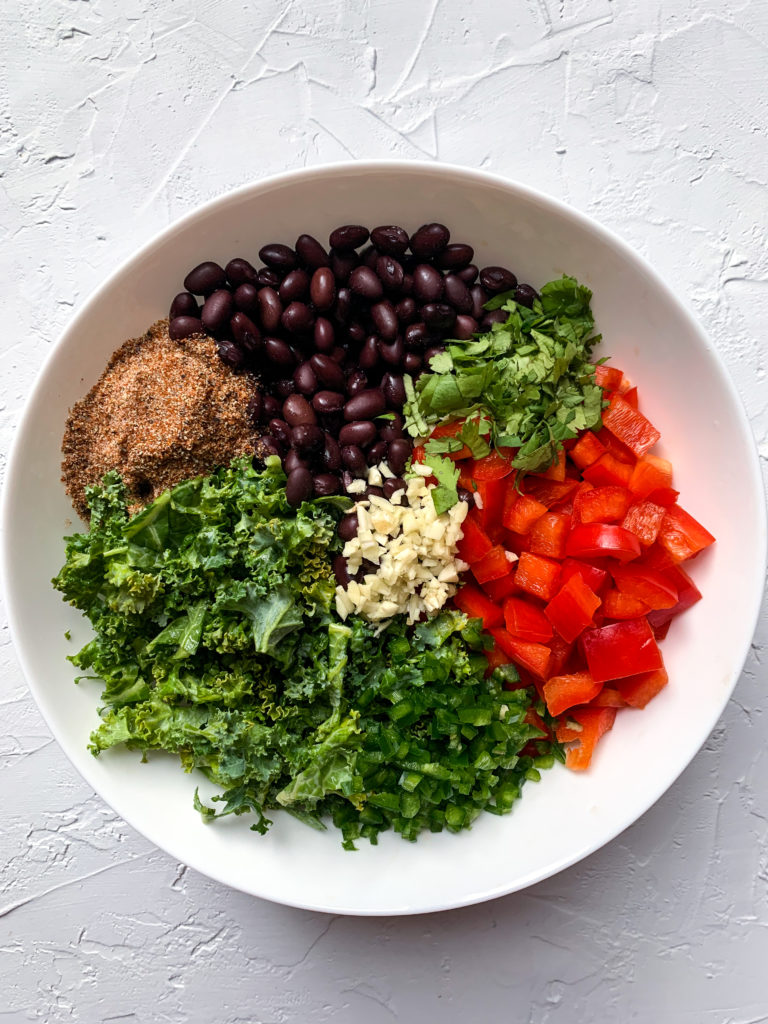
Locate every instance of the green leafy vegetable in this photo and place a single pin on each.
(445, 495)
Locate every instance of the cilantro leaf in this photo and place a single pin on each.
(445, 495)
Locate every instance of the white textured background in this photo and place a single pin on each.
(116, 116)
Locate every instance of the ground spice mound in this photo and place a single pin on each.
(163, 411)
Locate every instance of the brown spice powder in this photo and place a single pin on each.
(163, 411)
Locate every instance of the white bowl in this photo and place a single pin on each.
(684, 390)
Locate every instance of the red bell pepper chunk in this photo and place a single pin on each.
(682, 535)
(563, 692)
(644, 518)
(665, 496)
(687, 595)
(646, 584)
(650, 473)
(492, 566)
(419, 453)
(608, 698)
(549, 534)
(638, 690)
(556, 471)
(630, 426)
(606, 504)
(497, 590)
(530, 656)
(615, 446)
(473, 602)
(629, 396)
(608, 471)
(621, 606)
(592, 575)
(609, 378)
(526, 620)
(537, 575)
(559, 654)
(587, 450)
(475, 542)
(492, 467)
(549, 492)
(586, 725)
(496, 658)
(571, 609)
(451, 430)
(599, 540)
(621, 649)
(491, 495)
(523, 513)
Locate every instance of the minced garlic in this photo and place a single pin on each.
(413, 549)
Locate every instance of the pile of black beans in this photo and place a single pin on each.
(331, 333)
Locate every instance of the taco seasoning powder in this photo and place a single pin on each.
(163, 411)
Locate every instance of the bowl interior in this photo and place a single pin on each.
(683, 389)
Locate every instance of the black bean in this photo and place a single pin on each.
(280, 430)
(205, 278)
(497, 279)
(278, 257)
(465, 327)
(270, 309)
(272, 407)
(455, 256)
(356, 333)
(217, 311)
(298, 486)
(268, 445)
(468, 274)
(298, 318)
(390, 273)
(298, 411)
(361, 433)
(279, 352)
(368, 257)
(392, 354)
(352, 459)
(324, 336)
(479, 298)
(348, 526)
(364, 281)
(393, 389)
(369, 353)
(349, 236)
(392, 429)
(267, 278)
(295, 285)
(412, 363)
(246, 298)
(185, 304)
(293, 461)
(438, 316)
(427, 283)
(239, 271)
(456, 294)
(310, 252)
(230, 353)
(284, 388)
(331, 458)
(377, 491)
(328, 372)
(406, 310)
(245, 332)
(377, 453)
(416, 336)
(385, 320)
(182, 326)
(365, 405)
(343, 306)
(429, 240)
(339, 354)
(525, 295)
(328, 401)
(496, 316)
(407, 287)
(305, 380)
(466, 496)
(340, 571)
(255, 408)
(390, 240)
(307, 439)
(322, 289)
(343, 263)
(326, 484)
(357, 381)
(392, 484)
(398, 453)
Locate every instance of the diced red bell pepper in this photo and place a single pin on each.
(606, 504)
(645, 584)
(615, 447)
(473, 602)
(650, 473)
(592, 575)
(571, 609)
(608, 471)
(587, 450)
(491, 505)
(523, 513)
(475, 542)
(664, 496)
(563, 692)
(419, 453)
(629, 396)
(492, 566)
(559, 654)
(556, 471)
(621, 649)
(599, 540)
(531, 656)
(451, 430)
(526, 620)
(644, 518)
(687, 595)
(549, 534)
(499, 589)
(630, 426)
(682, 535)
(638, 690)
(621, 606)
(609, 378)
(537, 575)
(586, 725)
(496, 658)
(608, 698)
(492, 467)
(549, 492)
